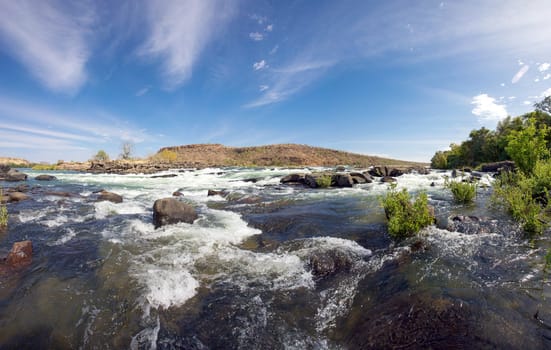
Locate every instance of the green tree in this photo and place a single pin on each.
(527, 146)
(544, 105)
(439, 160)
(101, 156)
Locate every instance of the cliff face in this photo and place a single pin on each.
(272, 155)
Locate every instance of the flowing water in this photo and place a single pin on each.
(249, 273)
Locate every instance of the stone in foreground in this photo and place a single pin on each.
(20, 254)
(168, 211)
(45, 178)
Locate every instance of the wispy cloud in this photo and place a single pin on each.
(487, 109)
(269, 28)
(262, 88)
(331, 32)
(43, 127)
(260, 65)
(143, 91)
(50, 39)
(180, 31)
(274, 49)
(520, 74)
(289, 80)
(256, 36)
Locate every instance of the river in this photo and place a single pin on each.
(246, 274)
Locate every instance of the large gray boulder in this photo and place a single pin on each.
(14, 175)
(168, 211)
(45, 178)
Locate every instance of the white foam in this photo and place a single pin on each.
(169, 286)
(106, 208)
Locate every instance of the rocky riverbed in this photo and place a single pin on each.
(257, 258)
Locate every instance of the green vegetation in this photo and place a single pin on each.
(324, 181)
(486, 146)
(3, 212)
(463, 192)
(44, 167)
(516, 194)
(406, 216)
(166, 156)
(527, 146)
(101, 156)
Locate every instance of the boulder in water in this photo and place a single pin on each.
(17, 196)
(293, 178)
(171, 211)
(109, 196)
(388, 179)
(327, 263)
(14, 175)
(20, 254)
(45, 178)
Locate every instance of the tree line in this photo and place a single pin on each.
(487, 146)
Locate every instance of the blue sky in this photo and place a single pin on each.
(393, 78)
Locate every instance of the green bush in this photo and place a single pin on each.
(101, 156)
(44, 167)
(324, 181)
(463, 192)
(515, 192)
(528, 146)
(3, 212)
(406, 216)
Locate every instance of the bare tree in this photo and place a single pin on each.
(126, 150)
(544, 105)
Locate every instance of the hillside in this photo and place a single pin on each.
(19, 162)
(270, 155)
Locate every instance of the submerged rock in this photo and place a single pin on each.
(472, 224)
(171, 211)
(293, 179)
(163, 176)
(109, 196)
(388, 179)
(45, 178)
(177, 194)
(20, 254)
(17, 196)
(221, 193)
(327, 263)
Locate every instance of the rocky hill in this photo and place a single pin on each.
(201, 155)
(16, 162)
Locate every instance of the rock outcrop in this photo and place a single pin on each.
(11, 175)
(168, 211)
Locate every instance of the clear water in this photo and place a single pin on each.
(241, 276)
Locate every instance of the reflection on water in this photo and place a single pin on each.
(268, 266)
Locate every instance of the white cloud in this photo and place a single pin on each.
(256, 36)
(520, 74)
(546, 93)
(274, 50)
(180, 31)
(258, 18)
(289, 80)
(142, 91)
(48, 126)
(49, 39)
(262, 88)
(536, 80)
(526, 103)
(260, 65)
(269, 28)
(487, 110)
(547, 76)
(502, 84)
(544, 67)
